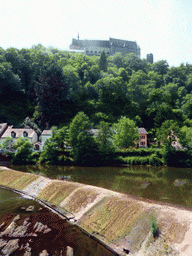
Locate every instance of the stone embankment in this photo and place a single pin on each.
(36, 231)
(119, 220)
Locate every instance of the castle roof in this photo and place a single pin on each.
(122, 43)
(91, 43)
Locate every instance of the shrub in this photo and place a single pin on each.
(136, 160)
(154, 227)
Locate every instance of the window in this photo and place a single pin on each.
(25, 134)
(142, 137)
(13, 134)
(142, 143)
(37, 147)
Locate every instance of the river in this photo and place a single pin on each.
(28, 228)
(163, 184)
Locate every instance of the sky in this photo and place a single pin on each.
(163, 28)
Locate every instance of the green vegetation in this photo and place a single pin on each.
(154, 227)
(125, 133)
(55, 148)
(45, 87)
(20, 150)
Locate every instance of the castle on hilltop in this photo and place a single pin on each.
(111, 46)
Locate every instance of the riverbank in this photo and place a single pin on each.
(120, 220)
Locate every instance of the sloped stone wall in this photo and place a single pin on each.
(119, 220)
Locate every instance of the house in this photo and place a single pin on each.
(175, 143)
(143, 137)
(46, 134)
(19, 132)
(3, 127)
(142, 133)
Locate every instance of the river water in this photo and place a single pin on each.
(163, 184)
(60, 237)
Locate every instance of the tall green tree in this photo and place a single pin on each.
(54, 150)
(84, 147)
(51, 96)
(103, 61)
(125, 133)
(104, 137)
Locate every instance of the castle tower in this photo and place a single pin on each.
(150, 58)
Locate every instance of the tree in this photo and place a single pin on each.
(176, 75)
(186, 105)
(104, 137)
(24, 153)
(51, 95)
(125, 133)
(54, 150)
(84, 147)
(103, 61)
(160, 67)
(189, 83)
(168, 132)
(186, 136)
(134, 63)
(117, 59)
(155, 78)
(9, 82)
(112, 96)
(8, 144)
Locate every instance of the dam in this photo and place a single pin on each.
(120, 221)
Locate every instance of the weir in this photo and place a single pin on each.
(120, 221)
(35, 223)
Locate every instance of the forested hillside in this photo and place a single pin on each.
(51, 86)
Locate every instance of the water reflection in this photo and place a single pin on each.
(165, 184)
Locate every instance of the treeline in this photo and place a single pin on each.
(50, 86)
(81, 144)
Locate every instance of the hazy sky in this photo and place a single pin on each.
(161, 27)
